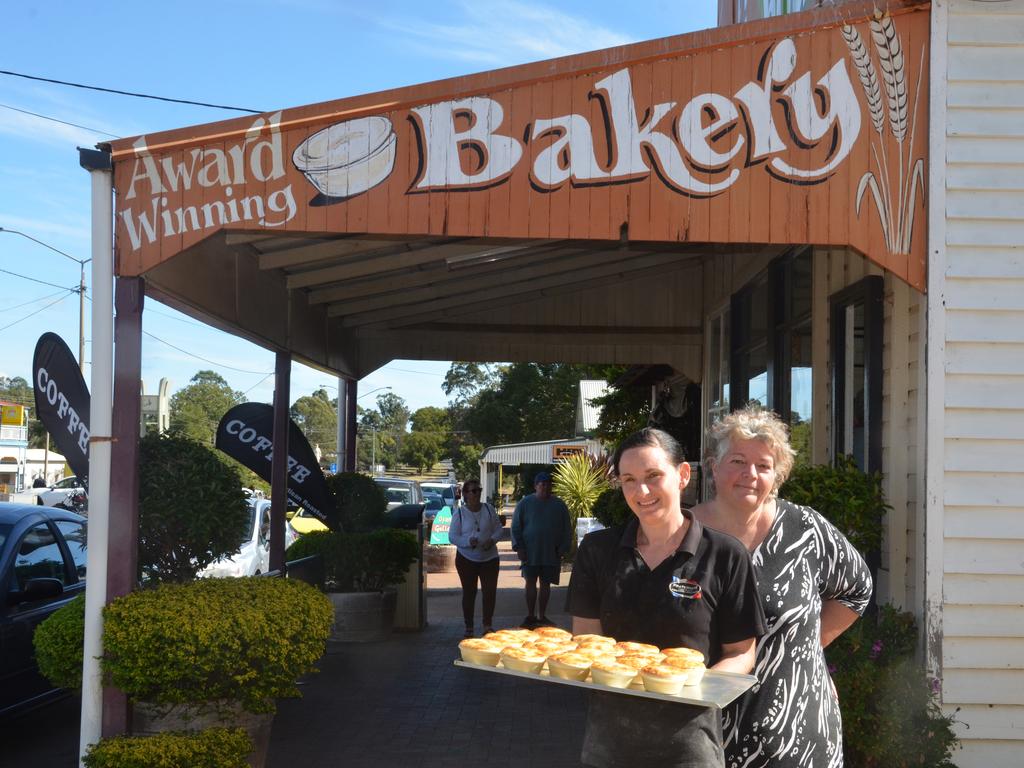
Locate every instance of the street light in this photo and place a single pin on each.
(81, 291)
(366, 394)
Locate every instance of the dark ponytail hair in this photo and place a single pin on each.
(650, 437)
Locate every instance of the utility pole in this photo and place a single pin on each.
(81, 320)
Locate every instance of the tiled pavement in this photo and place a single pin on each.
(402, 703)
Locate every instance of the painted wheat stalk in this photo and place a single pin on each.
(889, 52)
(873, 93)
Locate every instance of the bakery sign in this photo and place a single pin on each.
(812, 138)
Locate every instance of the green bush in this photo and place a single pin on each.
(56, 640)
(849, 498)
(359, 503)
(610, 508)
(359, 562)
(213, 748)
(890, 716)
(191, 507)
(246, 640)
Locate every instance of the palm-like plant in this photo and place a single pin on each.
(578, 481)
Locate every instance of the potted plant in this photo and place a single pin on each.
(210, 652)
(186, 652)
(360, 571)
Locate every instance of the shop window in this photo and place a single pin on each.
(856, 317)
(737, 11)
(771, 345)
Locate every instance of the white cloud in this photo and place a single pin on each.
(504, 33)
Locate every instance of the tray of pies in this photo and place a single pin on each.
(602, 663)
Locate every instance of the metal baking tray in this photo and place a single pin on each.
(716, 690)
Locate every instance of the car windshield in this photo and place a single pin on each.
(401, 495)
(246, 533)
(434, 502)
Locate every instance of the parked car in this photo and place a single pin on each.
(42, 567)
(445, 490)
(432, 504)
(400, 490)
(303, 522)
(253, 556)
(58, 492)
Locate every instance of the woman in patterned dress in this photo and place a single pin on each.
(813, 586)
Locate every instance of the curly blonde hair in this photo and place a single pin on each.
(751, 423)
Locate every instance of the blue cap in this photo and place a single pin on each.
(542, 477)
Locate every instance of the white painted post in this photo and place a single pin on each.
(100, 417)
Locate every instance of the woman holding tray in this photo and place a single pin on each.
(813, 586)
(665, 579)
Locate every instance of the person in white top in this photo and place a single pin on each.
(475, 531)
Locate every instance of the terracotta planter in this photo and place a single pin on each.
(439, 558)
(363, 617)
(146, 721)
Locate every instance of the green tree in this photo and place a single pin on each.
(422, 449)
(317, 416)
(467, 461)
(624, 410)
(431, 419)
(197, 409)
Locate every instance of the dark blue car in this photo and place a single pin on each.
(42, 567)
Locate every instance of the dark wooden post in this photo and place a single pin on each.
(279, 463)
(351, 392)
(123, 539)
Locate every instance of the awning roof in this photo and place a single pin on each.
(544, 452)
(392, 224)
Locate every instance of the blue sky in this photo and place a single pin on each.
(255, 54)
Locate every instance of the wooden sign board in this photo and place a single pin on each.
(811, 136)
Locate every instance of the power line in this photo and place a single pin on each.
(199, 357)
(62, 122)
(37, 280)
(128, 93)
(26, 317)
(34, 301)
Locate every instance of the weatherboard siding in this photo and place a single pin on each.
(980, 491)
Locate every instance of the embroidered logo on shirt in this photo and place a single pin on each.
(688, 589)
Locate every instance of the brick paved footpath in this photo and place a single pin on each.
(403, 704)
(396, 704)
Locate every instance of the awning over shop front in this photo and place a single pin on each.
(368, 214)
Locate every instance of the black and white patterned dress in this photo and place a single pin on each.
(791, 717)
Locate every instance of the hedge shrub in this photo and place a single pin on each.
(191, 508)
(359, 503)
(611, 508)
(359, 562)
(213, 748)
(58, 642)
(246, 640)
(849, 498)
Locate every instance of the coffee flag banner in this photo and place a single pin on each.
(62, 401)
(246, 432)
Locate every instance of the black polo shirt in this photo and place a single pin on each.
(702, 596)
